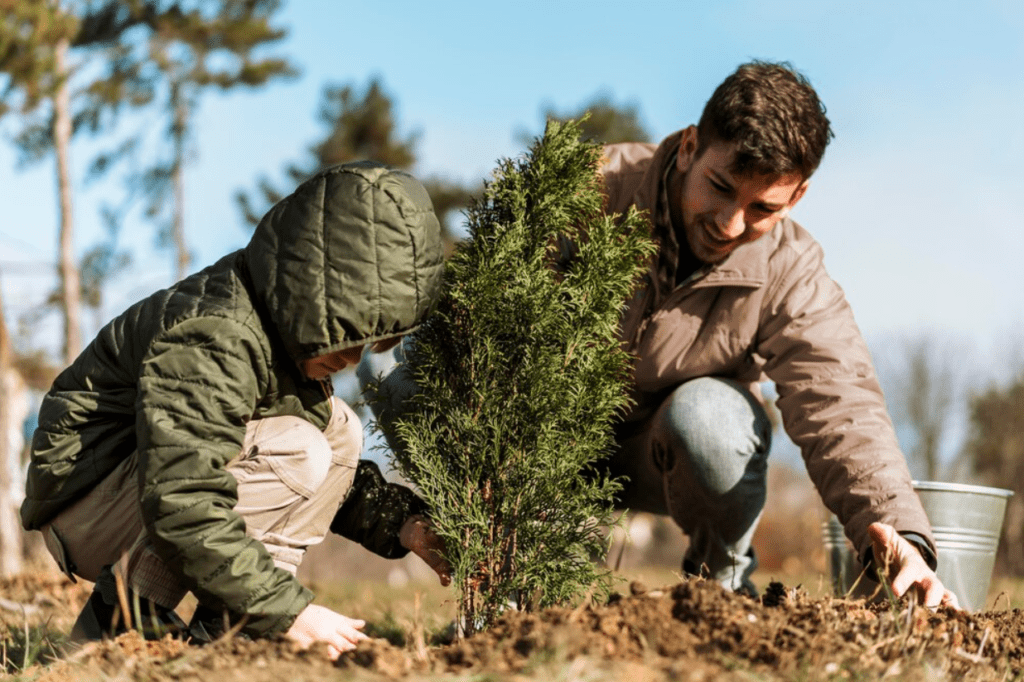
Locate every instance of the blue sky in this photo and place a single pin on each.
(917, 202)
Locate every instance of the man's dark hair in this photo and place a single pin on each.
(773, 115)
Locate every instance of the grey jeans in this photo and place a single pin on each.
(291, 480)
(702, 459)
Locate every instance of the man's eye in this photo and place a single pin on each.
(719, 187)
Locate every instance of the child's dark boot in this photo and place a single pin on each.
(101, 617)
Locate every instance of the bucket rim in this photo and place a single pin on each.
(961, 488)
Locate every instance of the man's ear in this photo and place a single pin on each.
(798, 194)
(687, 149)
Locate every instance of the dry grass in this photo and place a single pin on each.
(410, 616)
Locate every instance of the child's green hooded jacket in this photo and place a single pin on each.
(352, 256)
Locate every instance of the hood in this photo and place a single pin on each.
(352, 256)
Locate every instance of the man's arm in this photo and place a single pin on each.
(833, 409)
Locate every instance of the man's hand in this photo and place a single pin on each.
(419, 537)
(320, 624)
(906, 567)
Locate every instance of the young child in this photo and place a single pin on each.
(195, 444)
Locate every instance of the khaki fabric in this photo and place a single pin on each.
(291, 480)
(768, 311)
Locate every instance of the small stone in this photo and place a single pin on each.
(637, 588)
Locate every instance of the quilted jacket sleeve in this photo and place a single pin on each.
(831, 403)
(197, 388)
(374, 511)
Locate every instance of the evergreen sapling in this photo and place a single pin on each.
(520, 375)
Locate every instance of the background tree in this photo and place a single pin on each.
(520, 376)
(35, 38)
(54, 101)
(194, 47)
(924, 381)
(996, 451)
(358, 125)
(10, 525)
(603, 121)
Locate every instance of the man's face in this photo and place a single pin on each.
(721, 211)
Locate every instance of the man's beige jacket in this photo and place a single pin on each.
(769, 310)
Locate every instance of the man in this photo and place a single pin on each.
(738, 292)
(195, 445)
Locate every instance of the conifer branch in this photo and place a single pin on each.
(520, 376)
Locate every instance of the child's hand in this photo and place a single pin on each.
(419, 537)
(320, 624)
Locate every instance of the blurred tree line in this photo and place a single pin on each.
(76, 68)
(929, 386)
(995, 451)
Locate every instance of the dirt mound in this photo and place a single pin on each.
(698, 629)
(693, 630)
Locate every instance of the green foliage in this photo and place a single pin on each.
(34, 42)
(141, 53)
(603, 121)
(996, 452)
(361, 127)
(447, 197)
(520, 376)
(358, 125)
(96, 33)
(28, 33)
(23, 646)
(387, 627)
(190, 48)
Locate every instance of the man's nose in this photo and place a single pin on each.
(730, 222)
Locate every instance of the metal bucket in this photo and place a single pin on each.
(967, 521)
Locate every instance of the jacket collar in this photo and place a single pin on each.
(747, 266)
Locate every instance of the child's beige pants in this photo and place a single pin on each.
(291, 480)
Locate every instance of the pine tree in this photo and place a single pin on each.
(34, 42)
(520, 376)
(46, 49)
(358, 125)
(601, 120)
(204, 45)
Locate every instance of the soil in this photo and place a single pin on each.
(689, 631)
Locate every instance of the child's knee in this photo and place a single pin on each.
(309, 470)
(294, 450)
(344, 434)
